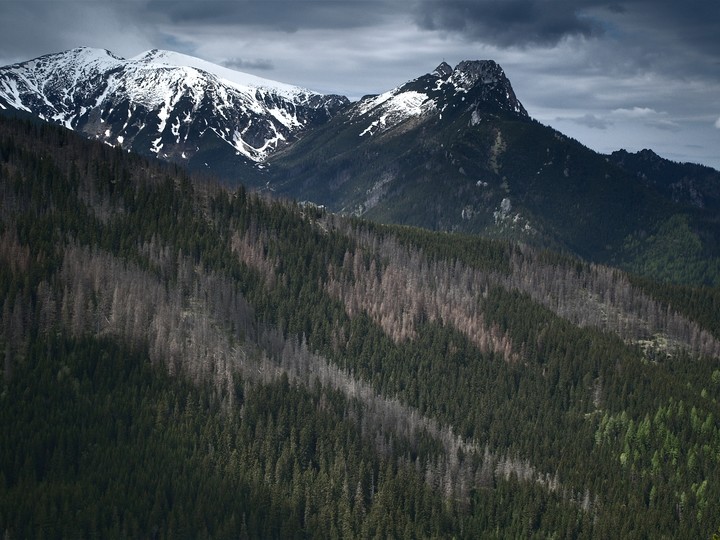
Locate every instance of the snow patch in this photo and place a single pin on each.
(395, 108)
(175, 128)
(12, 94)
(505, 219)
(505, 206)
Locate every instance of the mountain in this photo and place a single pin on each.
(166, 104)
(684, 243)
(685, 184)
(452, 150)
(381, 156)
(455, 150)
(182, 359)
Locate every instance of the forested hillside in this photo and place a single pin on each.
(185, 360)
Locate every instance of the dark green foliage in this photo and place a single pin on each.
(98, 443)
(473, 250)
(701, 304)
(690, 185)
(572, 432)
(673, 253)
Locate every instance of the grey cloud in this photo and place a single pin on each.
(643, 35)
(591, 121)
(32, 28)
(507, 23)
(648, 117)
(679, 39)
(687, 24)
(664, 125)
(636, 112)
(616, 8)
(243, 63)
(282, 15)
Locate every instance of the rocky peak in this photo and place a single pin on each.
(470, 73)
(649, 155)
(443, 70)
(486, 79)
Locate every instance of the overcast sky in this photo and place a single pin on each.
(628, 74)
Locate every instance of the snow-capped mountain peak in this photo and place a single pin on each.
(35, 85)
(472, 84)
(164, 103)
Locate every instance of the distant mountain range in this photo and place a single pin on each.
(451, 150)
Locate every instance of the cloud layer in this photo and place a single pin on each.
(510, 23)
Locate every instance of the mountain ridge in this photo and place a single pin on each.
(452, 150)
(163, 103)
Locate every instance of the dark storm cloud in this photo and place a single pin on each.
(650, 32)
(695, 23)
(508, 22)
(682, 26)
(284, 15)
(678, 36)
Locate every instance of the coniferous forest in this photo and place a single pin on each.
(182, 359)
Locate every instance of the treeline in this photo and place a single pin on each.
(315, 376)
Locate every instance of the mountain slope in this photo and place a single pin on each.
(452, 150)
(455, 150)
(684, 244)
(166, 104)
(397, 141)
(685, 183)
(308, 373)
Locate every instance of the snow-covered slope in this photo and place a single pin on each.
(164, 103)
(241, 81)
(480, 83)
